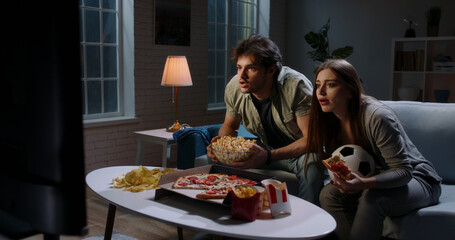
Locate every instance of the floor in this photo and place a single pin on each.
(126, 223)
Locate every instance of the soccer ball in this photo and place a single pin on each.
(356, 158)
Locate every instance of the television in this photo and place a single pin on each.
(42, 186)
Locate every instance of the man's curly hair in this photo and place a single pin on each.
(264, 51)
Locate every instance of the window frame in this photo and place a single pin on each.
(228, 66)
(125, 72)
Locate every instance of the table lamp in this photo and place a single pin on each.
(176, 74)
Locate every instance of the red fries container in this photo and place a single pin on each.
(245, 208)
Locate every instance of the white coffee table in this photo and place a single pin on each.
(307, 221)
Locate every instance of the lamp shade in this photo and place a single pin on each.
(176, 72)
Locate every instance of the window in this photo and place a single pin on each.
(228, 22)
(103, 51)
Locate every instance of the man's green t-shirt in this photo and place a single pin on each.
(290, 98)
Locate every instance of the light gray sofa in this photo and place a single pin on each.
(431, 126)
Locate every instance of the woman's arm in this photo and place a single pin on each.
(388, 140)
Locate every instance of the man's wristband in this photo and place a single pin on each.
(269, 157)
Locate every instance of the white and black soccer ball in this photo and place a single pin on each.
(356, 158)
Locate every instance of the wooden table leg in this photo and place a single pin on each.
(166, 156)
(110, 222)
(180, 233)
(140, 152)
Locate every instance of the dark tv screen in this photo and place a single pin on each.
(42, 188)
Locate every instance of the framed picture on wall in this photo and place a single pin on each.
(173, 22)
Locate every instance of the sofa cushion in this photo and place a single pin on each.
(430, 126)
(434, 222)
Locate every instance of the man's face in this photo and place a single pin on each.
(252, 76)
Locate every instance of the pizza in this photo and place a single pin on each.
(215, 185)
(214, 193)
(336, 165)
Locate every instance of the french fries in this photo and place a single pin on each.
(244, 191)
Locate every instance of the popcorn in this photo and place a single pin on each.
(228, 149)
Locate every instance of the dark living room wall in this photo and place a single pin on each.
(368, 26)
(115, 143)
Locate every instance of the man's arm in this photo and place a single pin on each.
(298, 147)
(230, 126)
(295, 149)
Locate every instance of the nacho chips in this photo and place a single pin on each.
(140, 179)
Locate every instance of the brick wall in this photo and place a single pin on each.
(116, 144)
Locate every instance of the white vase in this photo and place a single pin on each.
(408, 93)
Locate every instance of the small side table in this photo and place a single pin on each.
(157, 136)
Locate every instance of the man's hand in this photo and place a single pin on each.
(209, 149)
(257, 159)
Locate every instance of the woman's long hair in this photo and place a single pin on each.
(324, 128)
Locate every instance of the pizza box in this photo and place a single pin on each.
(167, 180)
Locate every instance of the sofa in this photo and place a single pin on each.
(431, 126)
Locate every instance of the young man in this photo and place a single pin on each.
(273, 102)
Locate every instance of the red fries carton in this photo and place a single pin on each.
(245, 201)
(277, 194)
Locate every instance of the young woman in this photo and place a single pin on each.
(403, 181)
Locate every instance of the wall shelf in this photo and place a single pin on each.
(413, 67)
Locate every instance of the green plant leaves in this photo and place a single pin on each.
(316, 40)
(325, 29)
(320, 43)
(318, 55)
(342, 53)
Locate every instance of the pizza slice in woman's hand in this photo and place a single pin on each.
(336, 165)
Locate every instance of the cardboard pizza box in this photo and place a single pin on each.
(167, 180)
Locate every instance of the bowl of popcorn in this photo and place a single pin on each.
(229, 149)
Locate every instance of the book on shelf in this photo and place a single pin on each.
(420, 60)
(410, 60)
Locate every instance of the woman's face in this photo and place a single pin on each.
(332, 93)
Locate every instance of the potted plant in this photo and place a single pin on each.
(320, 43)
(433, 18)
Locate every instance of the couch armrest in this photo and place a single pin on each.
(192, 143)
(430, 127)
